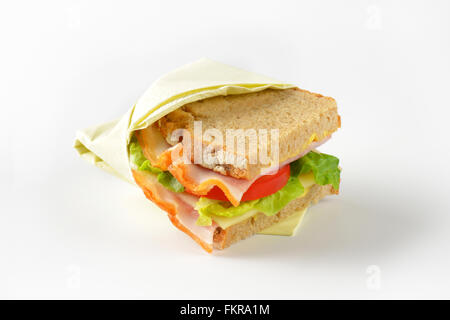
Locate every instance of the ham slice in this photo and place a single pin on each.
(197, 179)
(179, 208)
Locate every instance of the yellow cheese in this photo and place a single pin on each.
(307, 181)
(225, 222)
(286, 227)
(315, 137)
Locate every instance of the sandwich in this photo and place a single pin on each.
(227, 167)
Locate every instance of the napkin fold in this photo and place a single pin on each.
(106, 145)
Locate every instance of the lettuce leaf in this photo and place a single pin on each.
(208, 207)
(325, 170)
(170, 182)
(164, 177)
(146, 166)
(324, 167)
(137, 157)
(272, 204)
(269, 205)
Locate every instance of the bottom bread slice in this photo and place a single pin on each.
(223, 238)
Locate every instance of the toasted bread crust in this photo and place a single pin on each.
(223, 238)
(300, 116)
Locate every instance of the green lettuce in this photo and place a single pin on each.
(208, 207)
(170, 182)
(272, 204)
(324, 167)
(325, 170)
(164, 177)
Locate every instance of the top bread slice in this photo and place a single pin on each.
(300, 116)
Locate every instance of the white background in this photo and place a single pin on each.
(69, 230)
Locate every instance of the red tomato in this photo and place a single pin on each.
(262, 187)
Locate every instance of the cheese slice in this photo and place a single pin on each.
(226, 222)
(307, 181)
(286, 227)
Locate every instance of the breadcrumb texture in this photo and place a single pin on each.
(300, 116)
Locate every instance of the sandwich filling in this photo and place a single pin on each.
(199, 200)
(211, 165)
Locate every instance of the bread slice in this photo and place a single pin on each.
(300, 116)
(223, 238)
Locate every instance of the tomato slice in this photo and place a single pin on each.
(262, 187)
